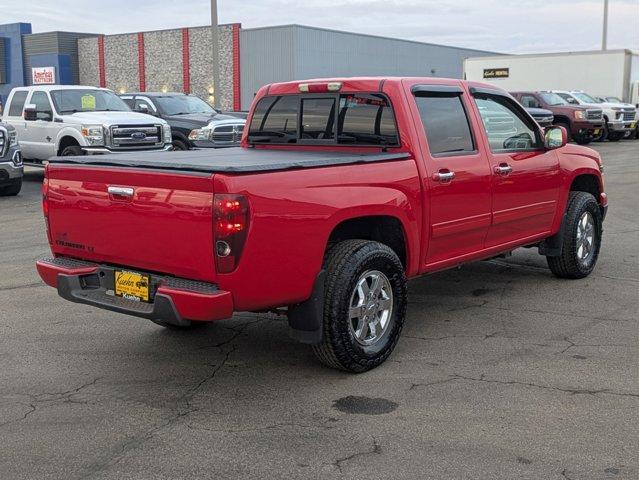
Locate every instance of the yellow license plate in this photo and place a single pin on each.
(132, 285)
(596, 132)
(632, 126)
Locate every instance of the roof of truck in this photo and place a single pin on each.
(50, 88)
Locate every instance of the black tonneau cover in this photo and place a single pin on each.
(231, 160)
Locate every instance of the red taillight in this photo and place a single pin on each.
(45, 206)
(230, 227)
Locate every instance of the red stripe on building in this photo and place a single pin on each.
(186, 59)
(101, 67)
(141, 64)
(237, 92)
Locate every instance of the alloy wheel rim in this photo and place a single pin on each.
(370, 307)
(585, 243)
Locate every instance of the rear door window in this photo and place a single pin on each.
(17, 103)
(445, 124)
(349, 119)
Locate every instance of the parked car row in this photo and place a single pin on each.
(585, 117)
(65, 120)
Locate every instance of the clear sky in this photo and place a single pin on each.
(515, 26)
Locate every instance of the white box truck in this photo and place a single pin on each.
(609, 73)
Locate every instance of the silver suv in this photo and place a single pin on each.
(11, 169)
(69, 120)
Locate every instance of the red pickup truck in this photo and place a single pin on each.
(342, 190)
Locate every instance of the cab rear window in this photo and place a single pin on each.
(346, 119)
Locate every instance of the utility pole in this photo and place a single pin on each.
(604, 40)
(216, 55)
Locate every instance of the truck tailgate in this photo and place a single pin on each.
(141, 219)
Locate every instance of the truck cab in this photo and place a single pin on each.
(62, 120)
(619, 118)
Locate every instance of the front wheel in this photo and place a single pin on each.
(72, 151)
(615, 136)
(581, 238)
(12, 189)
(364, 305)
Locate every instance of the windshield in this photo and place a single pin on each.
(183, 105)
(553, 99)
(87, 100)
(584, 97)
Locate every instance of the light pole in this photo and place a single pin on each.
(216, 55)
(604, 39)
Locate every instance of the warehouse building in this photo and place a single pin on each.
(181, 59)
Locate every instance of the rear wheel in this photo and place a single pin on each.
(581, 238)
(364, 305)
(12, 189)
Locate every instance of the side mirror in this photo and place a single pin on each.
(143, 108)
(30, 113)
(555, 137)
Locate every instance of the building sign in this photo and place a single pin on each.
(496, 72)
(43, 75)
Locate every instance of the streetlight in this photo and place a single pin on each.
(216, 55)
(604, 40)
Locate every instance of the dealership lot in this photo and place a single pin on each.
(503, 371)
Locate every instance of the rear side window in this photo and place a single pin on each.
(446, 124)
(348, 119)
(17, 103)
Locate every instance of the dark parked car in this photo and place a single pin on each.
(583, 124)
(194, 123)
(543, 117)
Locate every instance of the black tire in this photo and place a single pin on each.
(581, 140)
(72, 151)
(566, 125)
(11, 190)
(568, 264)
(179, 145)
(615, 136)
(345, 264)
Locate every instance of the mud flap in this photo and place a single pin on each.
(306, 319)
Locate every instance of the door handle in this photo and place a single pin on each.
(503, 169)
(120, 191)
(444, 176)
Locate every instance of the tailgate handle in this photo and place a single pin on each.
(121, 191)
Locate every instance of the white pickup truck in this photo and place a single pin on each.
(63, 120)
(619, 118)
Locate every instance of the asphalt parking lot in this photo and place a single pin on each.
(503, 372)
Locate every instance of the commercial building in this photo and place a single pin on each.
(613, 73)
(181, 59)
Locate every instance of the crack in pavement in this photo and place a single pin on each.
(273, 426)
(183, 408)
(18, 287)
(50, 398)
(572, 391)
(375, 450)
